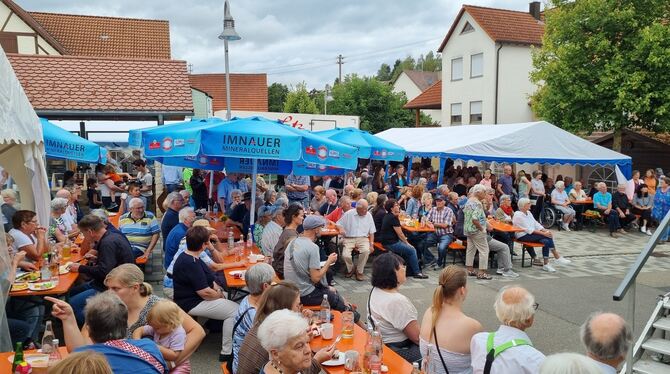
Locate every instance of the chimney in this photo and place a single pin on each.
(534, 9)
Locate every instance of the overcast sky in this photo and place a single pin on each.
(291, 40)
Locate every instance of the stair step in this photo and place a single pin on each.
(663, 324)
(657, 345)
(650, 367)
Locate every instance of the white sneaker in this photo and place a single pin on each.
(562, 261)
(548, 268)
(565, 226)
(510, 274)
(648, 232)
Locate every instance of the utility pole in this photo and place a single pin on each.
(340, 61)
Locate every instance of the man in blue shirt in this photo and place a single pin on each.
(186, 219)
(297, 189)
(175, 201)
(171, 177)
(225, 190)
(602, 202)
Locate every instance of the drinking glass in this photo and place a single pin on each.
(347, 325)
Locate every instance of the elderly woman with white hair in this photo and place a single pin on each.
(515, 308)
(8, 207)
(284, 335)
(474, 227)
(264, 217)
(534, 232)
(560, 200)
(57, 230)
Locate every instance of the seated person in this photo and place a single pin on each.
(236, 197)
(140, 227)
(534, 232)
(57, 231)
(302, 266)
(559, 198)
(106, 321)
(622, 206)
(330, 204)
(442, 219)
(504, 213)
(390, 311)
(272, 230)
(577, 193)
(28, 235)
(515, 308)
(643, 202)
(344, 205)
(240, 215)
(358, 230)
(392, 238)
(133, 191)
(602, 202)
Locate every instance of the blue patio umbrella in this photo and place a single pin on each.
(369, 146)
(60, 143)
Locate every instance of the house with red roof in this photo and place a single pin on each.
(413, 83)
(486, 62)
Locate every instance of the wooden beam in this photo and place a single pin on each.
(417, 118)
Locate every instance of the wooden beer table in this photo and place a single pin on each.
(65, 282)
(6, 365)
(503, 227)
(395, 363)
(222, 231)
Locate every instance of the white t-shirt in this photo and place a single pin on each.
(21, 240)
(392, 312)
(105, 191)
(147, 180)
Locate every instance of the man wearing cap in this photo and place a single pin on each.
(358, 229)
(302, 266)
(240, 215)
(212, 256)
(442, 219)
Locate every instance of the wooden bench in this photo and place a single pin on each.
(378, 246)
(456, 247)
(592, 220)
(525, 246)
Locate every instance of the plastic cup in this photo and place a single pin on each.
(327, 331)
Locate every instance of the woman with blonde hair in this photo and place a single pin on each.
(445, 330)
(414, 202)
(371, 197)
(318, 199)
(87, 362)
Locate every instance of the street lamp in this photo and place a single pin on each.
(227, 34)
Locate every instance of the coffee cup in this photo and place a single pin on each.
(327, 331)
(253, 259)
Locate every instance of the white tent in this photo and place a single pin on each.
(532, 142)
(21, 143)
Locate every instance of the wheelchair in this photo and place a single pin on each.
(551, 216)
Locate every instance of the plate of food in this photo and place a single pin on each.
(64, 269)
(337, 360)
(41, 286)
(33, 276)
(20, 286)
(36, 360)
(238, 274)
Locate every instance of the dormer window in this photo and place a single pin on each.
(467, 28)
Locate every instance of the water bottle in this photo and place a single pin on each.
(325, 310)
(45, 273)
(54, 356)
(215, 209)
(54, 267)
(250, 239)
(231, 240)
(376, 364)
(47, 339)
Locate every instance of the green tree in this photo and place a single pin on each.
(372, 100)
(277, 93)
(604, 66)
(299, 101)
(384, 73)
(407, 64)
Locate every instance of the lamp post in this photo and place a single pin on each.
(227, 34)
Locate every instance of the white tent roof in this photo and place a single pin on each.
(531, 142)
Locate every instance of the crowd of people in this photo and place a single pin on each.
(366, 210)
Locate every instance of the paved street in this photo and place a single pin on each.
(566, 297)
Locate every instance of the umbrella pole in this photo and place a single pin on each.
(211, 185)
(254, 172)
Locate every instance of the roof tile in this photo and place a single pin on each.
(247, 91)
(431, 98)
(97, 84)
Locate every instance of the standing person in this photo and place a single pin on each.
(171, 177)
(391, 312)
(196, 292)
(174, 201)
(297, 189)
(397, 181)
(602, 202)
(642, 205)
(199, 188)
(293, 218)
(147, 181)
(474, 227)
(505, 184)
(633, 184)
(515, 308)
(358, 228)
(92, 194)
(523, 184)
(446, 331)
(392, 237)
(651, 181)
(112, 250)
(661, 206)
(537, 192)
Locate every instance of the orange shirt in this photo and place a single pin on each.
(651, 184)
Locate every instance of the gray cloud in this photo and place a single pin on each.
(292, 41)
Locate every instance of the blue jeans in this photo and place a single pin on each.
(548, 244)
(19, 330)
(78, 297)
(420, 241)
(29, 311)
(407, 253)
(171, 187)
(442, 245)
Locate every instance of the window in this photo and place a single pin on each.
(477, 65)
(467, 28)
(456, 114)
(8, 42)
(457, 69)
(475, 112)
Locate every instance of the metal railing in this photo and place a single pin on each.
(628, 284)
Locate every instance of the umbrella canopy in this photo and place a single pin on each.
(60, 143)
(369, 146)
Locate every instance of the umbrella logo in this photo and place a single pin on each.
(322, 167)
(154, 144)
(167, 144)
(310, 150)
(384, 153)
(202, 160)
(334, 154)
(322, 153)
